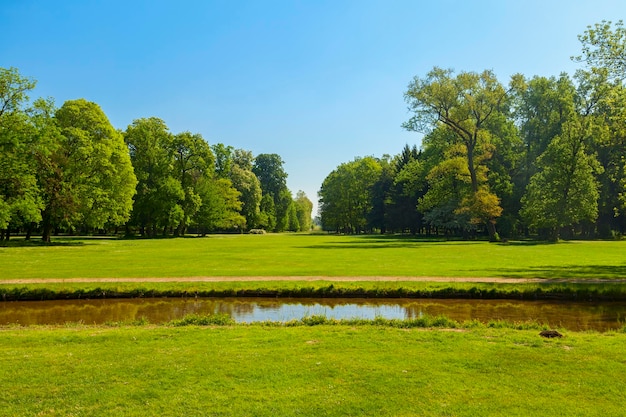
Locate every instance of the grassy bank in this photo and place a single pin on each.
(311, 255)
(323, 370)
(317, 289)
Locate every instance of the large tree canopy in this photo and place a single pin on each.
(269, 170)
(20, 199)
(465, 105)
(345, 196)
(564, 192)
(90, 180)
(158, 190)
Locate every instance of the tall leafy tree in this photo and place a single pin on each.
(304, 208)
(20, 200)
(248, 185)
(378, 217)
(292, 216)
(346, 195)
(193, 160)
(158, 190)
(250, 194)
(220, 208)
(267, 213)
(609, 148)
(283, 204)
(409, 185)
(269, 170)
(463, 104)
(564, 192)
(604, 53)
(90, 179)
(449, 184)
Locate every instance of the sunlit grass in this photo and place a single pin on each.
(318, 369)
(312, 255)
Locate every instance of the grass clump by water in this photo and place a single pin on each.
(204, 320)
(423, 322)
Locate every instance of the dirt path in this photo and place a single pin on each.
(309, 278)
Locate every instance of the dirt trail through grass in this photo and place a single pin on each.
(310, 278)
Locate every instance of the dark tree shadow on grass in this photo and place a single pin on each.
(21, 243)
(565, 272)
(532, 243)
(392, 242)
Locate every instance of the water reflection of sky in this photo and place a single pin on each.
(286, 312)
(569, 315)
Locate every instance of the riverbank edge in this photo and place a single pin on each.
(559, 291)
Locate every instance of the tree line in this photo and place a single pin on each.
(68, 169)
(541, 155)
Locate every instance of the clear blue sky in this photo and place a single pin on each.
(318, 82)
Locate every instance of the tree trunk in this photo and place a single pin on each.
(46, 232)
(491, 228)
(46, 225)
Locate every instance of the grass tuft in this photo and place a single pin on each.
(204, 320)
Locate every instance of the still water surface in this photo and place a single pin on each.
(569, 315)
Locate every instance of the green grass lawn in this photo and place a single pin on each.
(312, 371)
(322, 370)
(311, 255)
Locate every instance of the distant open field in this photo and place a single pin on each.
(301, 255)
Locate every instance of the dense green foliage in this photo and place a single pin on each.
(61, 168)
(262, 370)
(542, 156)
(69, 170)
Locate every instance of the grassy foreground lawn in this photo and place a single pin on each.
(321, 370)
(311, 255)
(314, 371)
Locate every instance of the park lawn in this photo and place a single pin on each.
(311, 255)
(324, 370)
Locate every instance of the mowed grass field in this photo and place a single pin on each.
(319, 370)
(311, 255)
(256, 370)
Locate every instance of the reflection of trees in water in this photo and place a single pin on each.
(599, 316)
(570, 315)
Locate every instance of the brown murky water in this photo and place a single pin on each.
(569, 315)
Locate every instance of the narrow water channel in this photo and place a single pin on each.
(569, 315)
